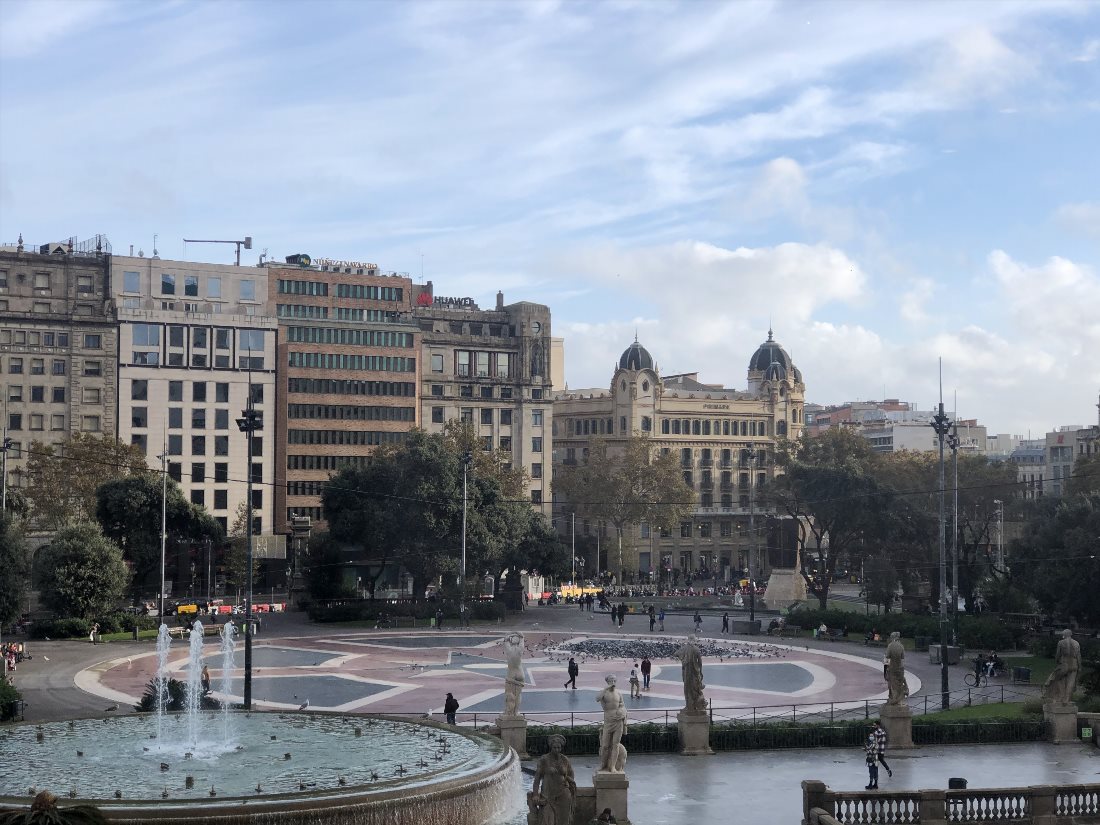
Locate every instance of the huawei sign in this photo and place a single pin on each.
(424, 299)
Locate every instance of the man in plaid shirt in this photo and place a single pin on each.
(879, 734)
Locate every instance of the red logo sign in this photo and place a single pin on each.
(424, 299)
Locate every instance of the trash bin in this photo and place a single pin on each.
(920, 643)
(1021, 674)
(956, 783)
(432, 621)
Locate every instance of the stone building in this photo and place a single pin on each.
(725, 440)
(349, 364)
(195, 342)
(1064, 447)
(492, 368)
(58, 345)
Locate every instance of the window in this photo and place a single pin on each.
(37, 422)
(437, 390)
(198, 419)
(685, 529)
(221, 499)
(704, 530)
(257, 445)
(191, 286)
(483, 364)
(536, 418)
(502, 365)
(536, 496)
(131, 282)
(505, 392)
(437, 363)
(487, 443)
(90, 424)
(139, 417)
(38, 395)
(175, 336)
(505, 418)
(198, 497)
(647, 424)
(15, 421)
(486, 416)
(221, 393)
(466, 391)
(84, 285)
(38, 366)
(486, 392)
(57, 367)
(437, 415)
(536, 470)
(93, 368)
(58, 395)
(725, 529)
(198, 391)
(221, 445)
(57, 422)
(139, 391)
(146, 335)
(93, 342)
(221, 473)
(221, 419)
(175, 390)
(248, 290)
(15, 366)
(466, 415)
(198, 445)
(506, 443)
(462, 363)
(90, 395)
(536, 393)
(167, 284)
(41, 281)
(536, 445)
(256, 393)
(213, 287)
(175, 418)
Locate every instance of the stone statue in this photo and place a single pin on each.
(894, 670)
(553, 794)
(513, 681)
(691, 667)
(614, 725)
(1062, 681)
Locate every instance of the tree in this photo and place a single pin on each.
(1085, 478)
(81, 572)
(880, 580)
(1059, 559)
(626, 484)
(62, 480)
(15, 567)
(129, 511)
(236, 551)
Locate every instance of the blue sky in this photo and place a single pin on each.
(886, 183)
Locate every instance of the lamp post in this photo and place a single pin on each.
(467, 458)
(942, 426)
(163, 522)
(953, 443)
(1000, 513)
(5, 445)
(250, 422)
(752, 533)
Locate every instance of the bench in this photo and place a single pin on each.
(207, 630)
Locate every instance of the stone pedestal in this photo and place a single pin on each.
(611, 793)
(513, 732)
(786, 586)
(1062, 718)
(694, 730)
(897, 720)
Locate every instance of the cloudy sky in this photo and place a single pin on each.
(885, 183)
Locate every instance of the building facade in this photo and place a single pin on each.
(195, 344)
(58, 345)
(494, 369)
(349, 366)
(1064, 447)
(725, 440)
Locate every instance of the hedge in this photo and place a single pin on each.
(80, 628)
(975, 632)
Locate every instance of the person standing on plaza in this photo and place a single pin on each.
(574, 671)
(647, 667)
(698, 621)
(879, 732)
(205, 680)
(635, 684)
(870, 749)
(652, 618)
(661, 620)
(622, 613)
(450, 708)
(439, 619)
(725, 623)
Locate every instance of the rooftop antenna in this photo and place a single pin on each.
(156, 255)
(246, 243)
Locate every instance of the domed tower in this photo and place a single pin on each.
(775, 379)
(635, 388)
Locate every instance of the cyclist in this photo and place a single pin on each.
(979, 668)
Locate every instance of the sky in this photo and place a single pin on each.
(884, 184)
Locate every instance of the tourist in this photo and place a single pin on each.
(439, 619)
(574, 671)
(870, 749)
(647, 667)
(661, 620)
(622, 613)
(879, 732)
(93, 637)
(823, 631)
(698, 621)
(614, 615)
(652, 618)
(725, 623)
(205, 678)
(635, 685)
(450, 707)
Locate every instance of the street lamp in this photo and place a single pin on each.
(163, 521)
(1000, 514)
(250, 422)
(467, 458)
(5, 445)
(953, 443)
(942, 425)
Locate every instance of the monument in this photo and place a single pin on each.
(693, 722)
(1058, 708)
(786, 584)
(609, 779)
(895, 715)
(513, 727)
(553, 796)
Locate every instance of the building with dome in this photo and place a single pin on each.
(725, 440)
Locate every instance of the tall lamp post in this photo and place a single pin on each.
(5, 445)
(953, 443)
(942, 425)
(467, 458)
(250, 422)
(752, 533)
(163, 522)
(1000, 513)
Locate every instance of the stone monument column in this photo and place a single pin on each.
(1058, 708)
(609, 779)
(895, 715)
(513, 726)
(693, 722)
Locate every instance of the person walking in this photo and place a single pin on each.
(450, 707)
(870, 749)
(652, 618)
(439, 619)
(661, 620)
(622, 613)
(725, 622)
(635, 685)
(614, 614)
(647, 667)
(879, 732)
(574, 671)
(698, 621)
(205, 679)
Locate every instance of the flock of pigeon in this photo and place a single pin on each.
(635, 649)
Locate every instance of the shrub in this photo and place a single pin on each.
(8, 696)
(988, 633)
(61, 629)
(177, 698)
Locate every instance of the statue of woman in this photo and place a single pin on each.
(513, 680)
(1062, 681)
(895, 670)
(554, 791)
(691, 668)
(614, 725)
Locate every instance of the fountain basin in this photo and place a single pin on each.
(466, 779)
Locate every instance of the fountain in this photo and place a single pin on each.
(336, 772)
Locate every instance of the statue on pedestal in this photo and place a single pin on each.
(612, 753)
(513, 680)
(691, 667)
(894, 670)
(1062, 681)
(553, 794)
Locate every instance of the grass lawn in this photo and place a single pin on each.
(1040, 667)
(1007, 710)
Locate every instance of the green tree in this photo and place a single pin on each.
(1085, 478)
(129, 511)
(15, 567)
(880, 580)
(235, 559)
(62, 480)
(626, 483)
(81, 573)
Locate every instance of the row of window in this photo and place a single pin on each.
(370, 292)
(300, 311)
(305, 488)
(46, 307)
(35, 366)
(149, 335)
(347, 386)
(294, 287)
(358, 314)
(36, 338)
(38, 394)
(325, 462)
(467, 391)
(341, 361)
(366, 438)
(480, 364)
(703, 426)
(350, 412)
(198, 444)
(139, 391)
(486, 415)
(350, 337)
(37, 421)
(188, 285)
(40, 282)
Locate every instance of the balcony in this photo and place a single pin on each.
(706, 462)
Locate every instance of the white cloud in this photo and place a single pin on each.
(779, 189)
(1090, 52)
(32, 26)
(913, 300)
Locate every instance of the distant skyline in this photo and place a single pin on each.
(883, 183)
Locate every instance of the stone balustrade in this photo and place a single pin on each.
(1034, 805)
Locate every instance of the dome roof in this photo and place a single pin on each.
(775, 372)
(770, 353)
(636, 357)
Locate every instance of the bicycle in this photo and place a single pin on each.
(973, 679)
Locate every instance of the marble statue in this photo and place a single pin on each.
(614, 725)
(894, 670)
(513, 680)
(1062, 681)
(553, 794)
(691, 667)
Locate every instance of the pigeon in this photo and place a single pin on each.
(304, 705)
(112, 707)
(46, 658)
